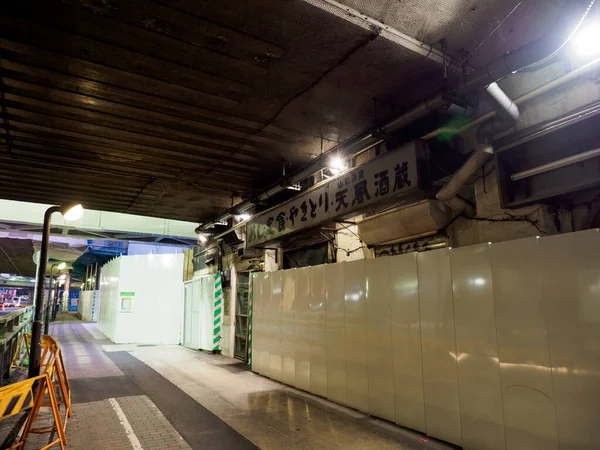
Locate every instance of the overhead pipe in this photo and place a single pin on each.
(512, 62)
(559, 163)
(507, 115)
(531, 95)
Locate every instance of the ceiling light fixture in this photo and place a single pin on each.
(61, 266)
(586, 42)
(337, 165)
(72, 212)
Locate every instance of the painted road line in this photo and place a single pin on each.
(135, 442)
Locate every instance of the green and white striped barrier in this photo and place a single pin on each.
(218, 314)
(94, 307)
(250, 305)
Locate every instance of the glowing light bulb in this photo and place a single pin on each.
(586, 43)
(73, 213)
(337, 165)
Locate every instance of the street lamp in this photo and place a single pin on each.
(49, 303)
(70, 212)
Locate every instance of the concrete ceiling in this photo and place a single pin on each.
(177, 109)
(16, 257)
(16, 254)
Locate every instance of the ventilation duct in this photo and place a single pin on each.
(507, 115)
(405, 223)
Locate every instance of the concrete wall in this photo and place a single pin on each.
(487, 346)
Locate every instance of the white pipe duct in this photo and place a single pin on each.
(507, 114)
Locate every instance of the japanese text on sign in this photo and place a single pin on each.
(391, 175)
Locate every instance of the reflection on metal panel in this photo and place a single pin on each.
(317, 322)
(481, 418)
(275, 327)
(301, 314)
(440, 378)
(336, 332)
(527, 394)
(357, 374)
(492, 346)
(406, 342)
(265, 325)
(257, 320)
(288, 328)
(571, 290)
(379, 340)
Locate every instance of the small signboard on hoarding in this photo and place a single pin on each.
(393, 175)
(126, 301)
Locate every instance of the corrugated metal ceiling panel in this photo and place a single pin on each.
(176, 109)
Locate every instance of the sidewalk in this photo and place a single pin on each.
(170, 397)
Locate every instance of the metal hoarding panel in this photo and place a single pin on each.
(257, 320)
(357, 373)
(481, 410)
(303, 338)
(265, 359)
(440, 378)
(336, 332)
(406, 342)
(527, 393)
(379, 339)
(288, 328)
(570, 266)
(317, 319)
(275, 327)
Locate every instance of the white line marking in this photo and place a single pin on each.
(135, 442)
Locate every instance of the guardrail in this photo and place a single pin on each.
(13, 324)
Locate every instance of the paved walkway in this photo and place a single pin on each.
(170, 397)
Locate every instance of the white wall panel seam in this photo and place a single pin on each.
(537, 244)
(497, 343)
(421, 337)
(390, 290)
(455, 344)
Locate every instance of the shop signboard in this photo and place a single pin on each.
(387, 177)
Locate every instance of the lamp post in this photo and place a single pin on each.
(70, 212)
(49, 302)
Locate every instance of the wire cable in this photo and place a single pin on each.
(487, 37)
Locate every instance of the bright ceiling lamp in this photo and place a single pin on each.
(61, 266)
(72, 212)
(337, 165)
(586, 42)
